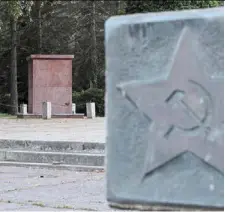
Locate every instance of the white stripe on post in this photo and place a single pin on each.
(46, 110)
(73, 108)
(90, 110)
(23, 109)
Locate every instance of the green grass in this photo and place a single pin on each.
(64, 207)
(75, 209)
(6, 115)
(39, 204)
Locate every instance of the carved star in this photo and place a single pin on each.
(185, 111)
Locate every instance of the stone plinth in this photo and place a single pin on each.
(73, 108)
(165, 110)
(50, 80)
(90, 110)
(23, 109)
(46, 110)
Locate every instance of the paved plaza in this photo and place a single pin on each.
(51, 190)
(79, 130)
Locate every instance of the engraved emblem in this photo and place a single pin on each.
(184, 111)
(177, 99)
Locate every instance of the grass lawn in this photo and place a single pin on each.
(5, 115)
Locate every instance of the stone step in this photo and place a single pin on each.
(72, 158)
(61, 116)
(52, 146)
(54, 166)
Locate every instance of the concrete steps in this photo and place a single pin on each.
(52, 146)
(61, 116)
(54, 166)
(78, 156)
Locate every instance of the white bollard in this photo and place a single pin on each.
(23, 109)
(90, 109)
(46, 110)
(73, 108)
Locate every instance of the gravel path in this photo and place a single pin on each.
(83, 130)
(53, 190)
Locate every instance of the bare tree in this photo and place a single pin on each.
(13, 81)
(37, 5)
(93, 81)
(14, 11)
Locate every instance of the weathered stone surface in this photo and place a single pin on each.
(50, 79)
(28, 189)
(164, 103)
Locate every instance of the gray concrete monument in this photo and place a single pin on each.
(164, 106)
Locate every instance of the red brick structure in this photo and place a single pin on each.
(50, 79)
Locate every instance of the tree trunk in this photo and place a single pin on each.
(93, 82)
(39, 25)
(39, 32)
(118, 7)
(13, 71)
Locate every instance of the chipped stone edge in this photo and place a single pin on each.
(158, 207)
